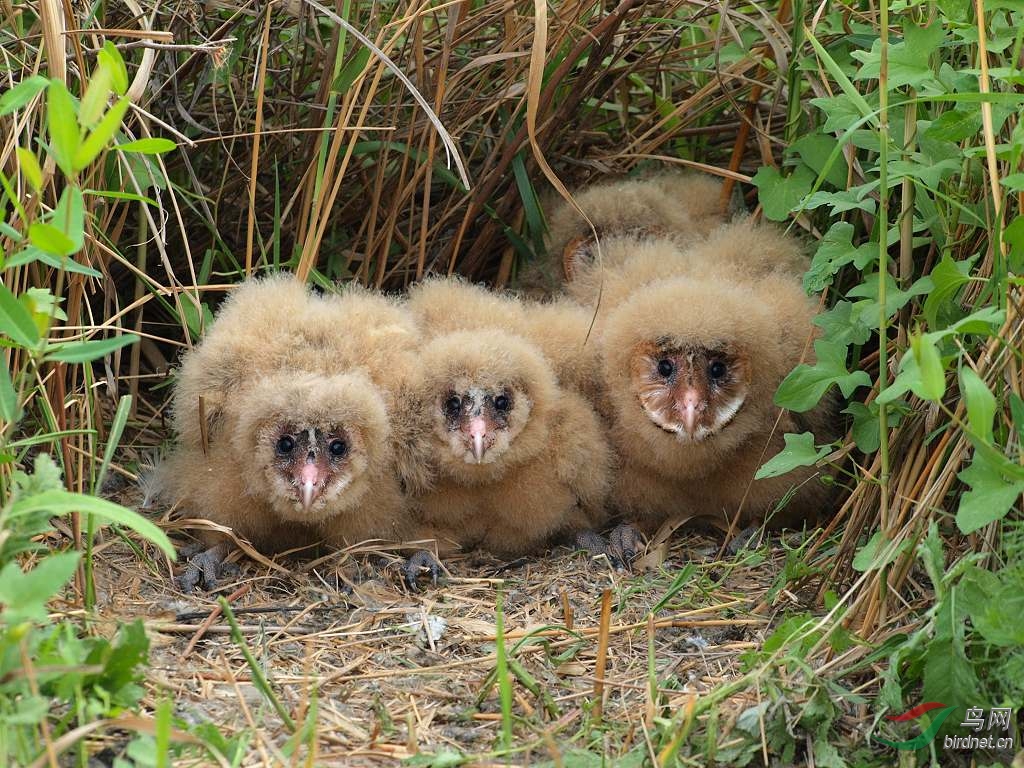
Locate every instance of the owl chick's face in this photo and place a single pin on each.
(310, 465)
(690, 390)
(479, 423)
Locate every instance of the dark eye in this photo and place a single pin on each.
(502, 403)
(453, 405)
(666, 368)
(718, 370)
(285, 444)
(337, 448)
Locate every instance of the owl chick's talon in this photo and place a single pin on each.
(596, 546)
(415, 564)
(205, 569)
(625, 542)
(741, 540)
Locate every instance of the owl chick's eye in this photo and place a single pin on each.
(666, 368)
(285, 444)
(338, 448)
(718, 370)
(453, 405)
(502, 403)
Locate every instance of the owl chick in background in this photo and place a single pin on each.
(683, 207)
(517, 459)
(283, 427)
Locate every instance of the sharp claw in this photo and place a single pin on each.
(204, 569)
(418, 561)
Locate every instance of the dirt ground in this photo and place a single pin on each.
(392, 673)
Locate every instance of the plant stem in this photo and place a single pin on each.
(883, 261)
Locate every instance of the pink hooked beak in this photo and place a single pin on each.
(309, 479)
(478, 431)
(688, 406)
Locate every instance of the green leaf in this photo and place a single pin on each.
(21, 94)
(955, 125)
(352, 69)
(865, 430)
(821, 154)
(69, 215)
(63, 503)
(990, 496)
(94, 101)
(87, 351)
(24, 594)
(30, 254)
(799, 451)
(15, 321)
(835, 251)
(62, 126)
(48, 238)
(1017, 415)
(878, 553)
(948, 277)
(803, 388)
(930, 383)
(29, 166)
(9, 410)
(155, 146)
(843, 326)
(908, 60)
(850, 91)
(996, 604)
(981, 403)
(948, 674)
(110, 58)
(778, 194)
(100, 136)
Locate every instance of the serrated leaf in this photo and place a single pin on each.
(804, 387)
(21, 94)
(779, 195)
(87, 351)
(990, 496)
(799, 451)
(62, 126)
(24, 594)
(63, 502)
(835, 251)
(981, 403)
(47, 237)
(154, 146)
(15, 321)
(29, 167)
(101, 135)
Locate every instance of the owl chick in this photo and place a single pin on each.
(558, 327)
(690, 367)
(283, 433)
(515, 461)
(673, 205)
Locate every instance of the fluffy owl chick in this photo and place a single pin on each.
(742, 248)
(559, 327)
(691, 366)
(681, 206)
(515, 461)
(282, 434)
